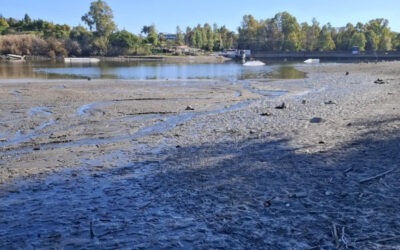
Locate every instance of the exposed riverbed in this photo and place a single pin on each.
(202, 163)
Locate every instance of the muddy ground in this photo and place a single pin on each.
(126, 164)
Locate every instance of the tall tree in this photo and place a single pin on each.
(179, 36)
(290, 30)
(372, 41)
(3, 22)
(151, 33)
(325, 42)
(27, 19)
(100, 18)
(248, 32)
(358, 40)
(385, 43)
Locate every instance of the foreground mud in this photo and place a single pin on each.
(119, 164)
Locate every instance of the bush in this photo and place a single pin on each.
(31, 45)
(56, 48)
(99, 47)
(73, 48)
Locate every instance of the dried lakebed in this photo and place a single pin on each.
(122, 164)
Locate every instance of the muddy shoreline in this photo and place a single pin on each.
(116, 164)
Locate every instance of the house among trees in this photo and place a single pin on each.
(169, 37)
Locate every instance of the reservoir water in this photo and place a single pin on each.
(146, 70)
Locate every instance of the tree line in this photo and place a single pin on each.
(284, 33)
(101, 37)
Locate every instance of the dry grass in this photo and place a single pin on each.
(31, 45)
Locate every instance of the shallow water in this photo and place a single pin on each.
(147, 71)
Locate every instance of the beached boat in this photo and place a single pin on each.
(253, 63)
(12, 57)
(81, 60)
(311, 60)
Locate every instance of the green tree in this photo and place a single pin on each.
(27, 19)
(100, 18)
(290, 30)
(358, 40)
(99, 46)
(152, 35)
(146, 29)
(83, 37)
(309, 35)
(198, 41)
(188, 36)
(122, 41)
(385, 43)
(248, 32)
(372, 41)
(210, 37)
(179, 36)
(3, 23)
(395, 41)
(344, 36)
(325, 42)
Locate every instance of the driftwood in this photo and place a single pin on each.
(389, 239)
(335, 235)
(376, 176)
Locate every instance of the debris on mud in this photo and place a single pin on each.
(316, 120)
(281, 106)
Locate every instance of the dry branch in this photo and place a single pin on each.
(376, 176)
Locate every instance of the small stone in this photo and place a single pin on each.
(298, 195)
(347, 73)
(266, 114)
(349, 124)
(282, 106)
(178, 146)
(267, 203)
(321, 142)
(37, 148)
(3, 139)
(379, 81)
(316, 120)
(189, 108)
(330, 102)
(303, 102)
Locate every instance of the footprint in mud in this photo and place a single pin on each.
(41, 111)
(91, 108)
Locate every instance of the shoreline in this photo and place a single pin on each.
(211, 177)
(162, 58)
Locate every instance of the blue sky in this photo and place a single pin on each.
(167, 14)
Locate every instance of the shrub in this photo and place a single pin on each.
(57, 47)
(31, 45)
(73, 47)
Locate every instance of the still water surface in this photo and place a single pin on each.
(146, 70)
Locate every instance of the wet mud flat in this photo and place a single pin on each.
(203, 164)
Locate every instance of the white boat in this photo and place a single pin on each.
(12, 57)
(253, 63)
(311, 60)
(81, 60)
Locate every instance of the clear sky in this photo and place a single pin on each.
(167, 14)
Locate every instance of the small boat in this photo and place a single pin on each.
(311, 60)
(12, 57)
(254, 63)
(81, 60)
